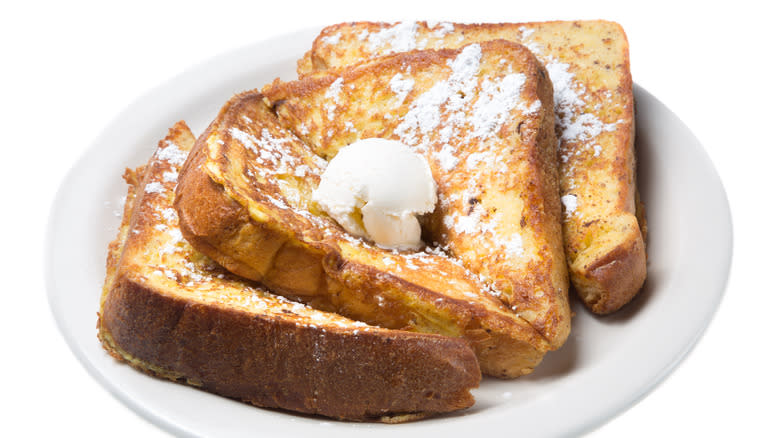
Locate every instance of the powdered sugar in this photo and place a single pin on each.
(495, 100)
(446, 158)
(400, 38)
(566, 93)
(475, 159)
(514, 245)
(442, 29)
(569, 203)
(334, 89)
(468, 224)
(332, 40)
(270, 150)
(525, 32)
(333, 93)
(465, 65)
(576, 124)
(585, 127)
(154, 187)
(424, 114)
(171, 153)
(533, 108)
(401, 87)
(175, 238)
(169, 215)
(171, 176)
(248, 140)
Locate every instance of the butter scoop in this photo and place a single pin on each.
(375, 188)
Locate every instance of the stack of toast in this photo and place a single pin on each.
(226, 275)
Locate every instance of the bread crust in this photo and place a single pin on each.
(612, 280)
(279, 359)
(268, 362)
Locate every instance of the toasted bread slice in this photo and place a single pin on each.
(169, 311)
(589, 66)
(256, 165)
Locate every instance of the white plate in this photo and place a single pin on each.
(607, 364)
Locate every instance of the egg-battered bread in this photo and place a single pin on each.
(494, 273)
(588, 63)
(171, 312)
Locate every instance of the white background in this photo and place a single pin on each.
(69, 67)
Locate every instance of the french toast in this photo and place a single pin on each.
(171, 312)
(588, 62)
(244, 198)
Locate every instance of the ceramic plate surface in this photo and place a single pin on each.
(607, 364)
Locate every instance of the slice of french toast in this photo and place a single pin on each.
(588, 63)
(169, 311)
(244, 198)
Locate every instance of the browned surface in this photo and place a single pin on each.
(523, 201)
(292, 247)
(263, 250)
(198, 325)
(596, 53)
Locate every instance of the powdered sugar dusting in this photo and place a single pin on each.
(441, 29)
(569, 204)
(175, 238)
(173, 259)
(533, 108)
(169, 215)
(525, 32)
(575, 124)
(400, 86)
(270, 150)
(424, 114)
(578, 128)
(475, 159)
(171, 176)
(171, 153)
(585, 127)
(400, 38)
(492, 107)
(154, 187)
(566, 93)
(333, 93)
(514, 245)
(332, 40)
(446, 158)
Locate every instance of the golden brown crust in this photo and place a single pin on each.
(329, 276)
(534, 287)
(506, 347)
(610, 273)
(612, 280)
(280, 364)
(599, 171)
(214, 332)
